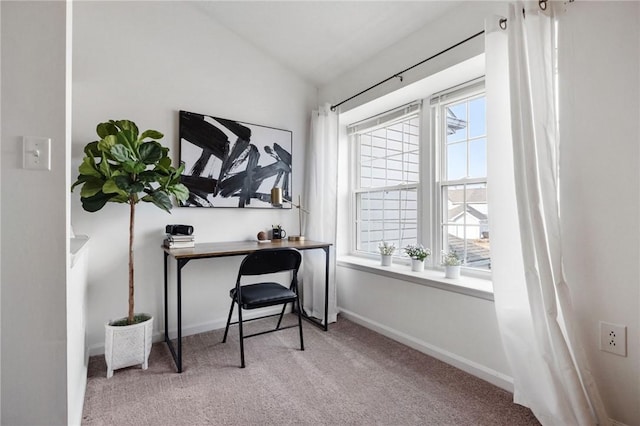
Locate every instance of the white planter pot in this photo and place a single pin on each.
(417, 265)
(127, 345)
(385, 260)
(452, 271)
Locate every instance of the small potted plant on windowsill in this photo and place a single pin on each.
(451, 262)
(418, 254)
(386, 251)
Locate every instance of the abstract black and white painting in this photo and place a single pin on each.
(233, 164)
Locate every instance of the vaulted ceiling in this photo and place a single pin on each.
(321, 40)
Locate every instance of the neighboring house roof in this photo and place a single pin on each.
(475, 252)
(457, 211)
(454, 123)
(474, 195)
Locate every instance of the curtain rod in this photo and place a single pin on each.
(542, 4)
(399, 74)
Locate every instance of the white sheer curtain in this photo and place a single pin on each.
(320, 195)
(532, 300)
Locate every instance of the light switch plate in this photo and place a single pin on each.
(36, 153)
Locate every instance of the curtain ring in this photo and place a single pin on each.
(542, 4)
(503, 23)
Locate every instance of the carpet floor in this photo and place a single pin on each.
(347, 376)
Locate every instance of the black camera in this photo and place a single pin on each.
(179, 229)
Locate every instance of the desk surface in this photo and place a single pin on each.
(232, 248)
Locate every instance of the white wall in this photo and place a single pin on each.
(599, 103)
(456, 328)
(34, 215)
(600, 186)
(155, 59)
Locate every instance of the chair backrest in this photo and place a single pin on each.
(269, 261)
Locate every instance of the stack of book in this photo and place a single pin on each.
(180, 241)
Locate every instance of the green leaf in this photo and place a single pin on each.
(95, 202)
(160, 199)
(81, 179)
(88, 168)
(92, 150)
(91, 187)
(110, 187)
(107, 143)
(164, 163)
(149, 176)
(180, 191)
(150, 152)
(104, 129)
(133, 167)
(128, 126)
(153, 134)
(105, 168)
(122, 153)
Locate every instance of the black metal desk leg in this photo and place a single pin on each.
(166, 302)
(181, 263)
(176, 352)
(326, 288)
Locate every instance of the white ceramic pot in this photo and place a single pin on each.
(452, 271)
(385, 260)
(127, 345)
(417, 265)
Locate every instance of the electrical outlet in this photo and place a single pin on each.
(613, 338)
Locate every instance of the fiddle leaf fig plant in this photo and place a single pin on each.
(127, 167)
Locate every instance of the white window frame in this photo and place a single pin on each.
(429, 187)
(385, 119)
(439, 101)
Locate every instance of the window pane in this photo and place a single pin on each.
(390, 155)
(389, 216)
(477, 119)
(456, 161)
(466, 227)
(478, 158)
(456, 125)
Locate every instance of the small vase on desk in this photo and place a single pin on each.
(385, 260)
(417, 265)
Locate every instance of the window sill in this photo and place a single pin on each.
(470, 286)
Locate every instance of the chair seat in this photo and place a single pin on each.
(263, 294)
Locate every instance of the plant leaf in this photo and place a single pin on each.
(95, 202)
(92, 150)
(88, 168)
(122, 153)
(128, 126)
(91, 187)
(81, 179)
(133, 167)
(153, 134)
(110, 187)
(180, 191)
(160, 199)
(149, 176)
(104, 129)
(150, 152)
(107, 143)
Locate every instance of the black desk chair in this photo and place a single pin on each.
(262, 294)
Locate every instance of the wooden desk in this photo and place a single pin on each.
(233, 248)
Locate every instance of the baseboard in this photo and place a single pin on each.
(494, 377)
(189, 330)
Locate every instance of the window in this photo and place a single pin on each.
(420, 176)
(387, 178)
(461, 138)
